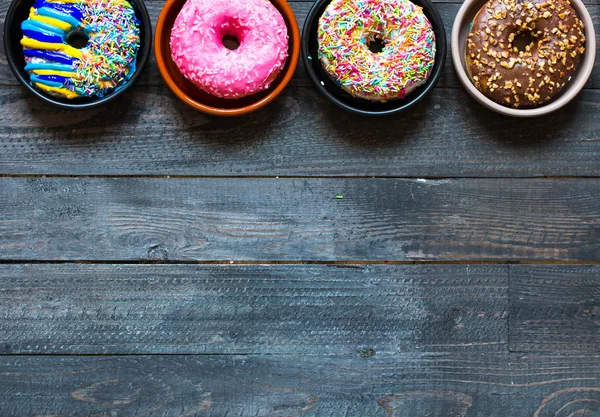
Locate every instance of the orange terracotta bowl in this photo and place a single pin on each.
(191, 95)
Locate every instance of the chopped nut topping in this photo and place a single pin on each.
(546, 62)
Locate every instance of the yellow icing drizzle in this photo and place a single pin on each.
(67, 49)
(50, 20)
(63, 91)
(53, 72)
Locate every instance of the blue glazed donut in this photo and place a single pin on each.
(102, 66)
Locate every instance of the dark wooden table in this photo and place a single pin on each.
(158, 262)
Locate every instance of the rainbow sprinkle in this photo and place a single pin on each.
(109, 58)
(348, 27)
(99, 68)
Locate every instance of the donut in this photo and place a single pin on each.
(198, 50)
(521, 54)
(346, 32)
(100, 67)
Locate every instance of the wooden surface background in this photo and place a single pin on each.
(155, 261)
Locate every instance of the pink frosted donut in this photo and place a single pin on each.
(198, 51)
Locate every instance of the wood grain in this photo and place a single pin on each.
(206, 219)
(300, 309)
(447, 135)
(454, 385)
(555, 308)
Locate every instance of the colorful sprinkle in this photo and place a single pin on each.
(198, 51)
(99, 68)
(346, 30)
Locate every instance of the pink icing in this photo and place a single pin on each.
(198, 51)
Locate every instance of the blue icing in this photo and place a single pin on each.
(57, 67)
(55, 78)
(44, 26)
(38, 79)
(67, 9)
(49, 12)
(50, 56)
(41, 35)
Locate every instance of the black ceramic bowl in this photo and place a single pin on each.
(18, 12)
(337, 95)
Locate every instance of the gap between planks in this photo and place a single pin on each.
(340, 264)
(391, 177)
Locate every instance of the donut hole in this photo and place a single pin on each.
(376, 45)
(523, 40)
(231, 42)
(77, 39)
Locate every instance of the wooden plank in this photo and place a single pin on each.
(301, 134)
(555, 308)
(447, 11)
(308, 309)
(455, 385)
(208, 219)
(448, 135)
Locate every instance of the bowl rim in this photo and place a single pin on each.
(586, 66)
(441, 48)
(140, 62)
(293, 57)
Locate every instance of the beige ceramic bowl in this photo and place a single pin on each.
(460, 30)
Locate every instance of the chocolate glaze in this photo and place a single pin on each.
(533, 76)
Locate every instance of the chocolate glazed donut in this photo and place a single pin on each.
(522, 53)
